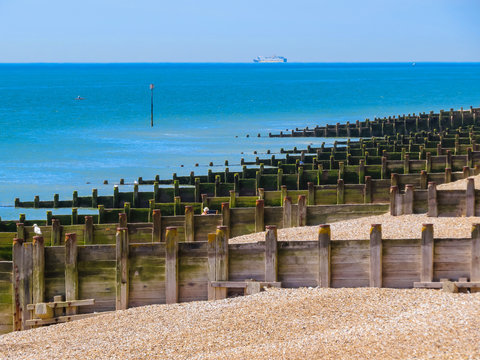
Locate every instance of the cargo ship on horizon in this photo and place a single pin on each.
(270, 59)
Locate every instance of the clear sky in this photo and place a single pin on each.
(237, 31)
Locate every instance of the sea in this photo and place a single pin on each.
(52, 143)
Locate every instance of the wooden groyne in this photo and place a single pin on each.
(425, 154)
(127, 273)
(392, 125)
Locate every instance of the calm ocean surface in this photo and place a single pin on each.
(51, 143)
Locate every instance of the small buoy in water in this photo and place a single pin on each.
(105, 182)
(241, 152)
(181, 165)
(255, 151)
(236, 136)
(196, 164)
(211, 163)
(258, 135)
(248, 135)
(88, 182)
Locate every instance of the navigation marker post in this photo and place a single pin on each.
(151, 102)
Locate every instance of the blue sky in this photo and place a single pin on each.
(237, 31)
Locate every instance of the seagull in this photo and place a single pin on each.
(135, 182)
(37, 230)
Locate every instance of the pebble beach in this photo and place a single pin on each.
(307, 323)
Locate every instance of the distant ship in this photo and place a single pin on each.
(270, 59)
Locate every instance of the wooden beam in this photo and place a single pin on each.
(122, 250)
(226, 217)
(470, 197)
(212, 238)
(189, 224)
(157, 225)
(301, 211)
(62, 319)
(17, 266)
(56, 231)
(287, 212)
(71, 270)
(65, 304)
(259, 215)
(221, 261)
(432, 200)
(88, 235)
(271, 254)
(376, 255)
(38, 269)
(324, 254)
(426, 273)
(171, 265)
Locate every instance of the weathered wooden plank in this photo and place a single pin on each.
(427, 247)
(171, 265)
(324, 256)
(71, 270)
(475, 253)
(122, 274)
(221, 260)
(38, 269)
(376, 255)
(271, 254)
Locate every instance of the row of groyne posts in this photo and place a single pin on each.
(211, 269)
(391, 125)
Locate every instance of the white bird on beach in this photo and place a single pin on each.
(37, 230)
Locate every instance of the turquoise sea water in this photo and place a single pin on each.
(51, 143)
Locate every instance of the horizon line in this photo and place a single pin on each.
(236, 62)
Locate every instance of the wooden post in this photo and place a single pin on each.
(376, 255)
(156, 192)
(122, 220)
(475, 249)
(171, 265)
(361, 172)
(408, 200)
(38, 269)
(287, 212)
(74, 218)
(271, 253)
(406, 164)
(428, 163)
(423, 179)
(300, 183)
(122, 287)
(126, 210)
(426, 274)
(189, 224)
(448, 175)
(17, 267)
(157, 225)
(211, 246)
(367, 194)
(261, 193)
(88, 232)
(115, 197)
(101, 214)
(20, 231)
(22, 282)
(226, 217)
(56, 233)
(71, 271)
(432, 200)
(324, 254)
(384, 168)
(221, 261)
(470, 197)
(232, 199)
(340, 192)
(197, 190)
(259, 215)
(75, 198)
(204, 200)
(301, 211)
(217, 186)
(466, 172)
(311, 194)
(283, 193)
(55, 200)
(177, 205)
(94, 198)
(236, 183)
